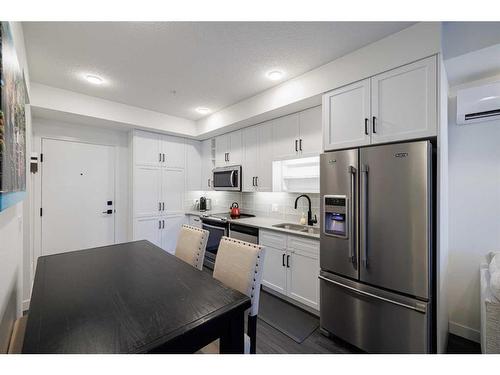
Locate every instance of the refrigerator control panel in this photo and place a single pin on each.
(335, 215)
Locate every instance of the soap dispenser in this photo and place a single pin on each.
(303, 219)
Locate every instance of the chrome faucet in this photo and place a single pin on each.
(310, 220)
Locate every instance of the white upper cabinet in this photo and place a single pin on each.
(221, 150)
(193, 165)
(250, 157)
(174, 151)
(310, 132)
(404, 102)
(171, 228)
(286, 137)
(146, 148)
(207, 164)
(235, 149)
(297, 135)
(397, 105)
(257, 157)
(346, 116)
(228, 149)
(264, 180)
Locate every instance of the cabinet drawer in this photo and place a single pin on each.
(301, 244)
(272, 239)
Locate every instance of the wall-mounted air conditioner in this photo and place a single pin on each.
(477, 104)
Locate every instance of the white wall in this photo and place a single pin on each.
(474, 226)
(11, 233)
(43, 128)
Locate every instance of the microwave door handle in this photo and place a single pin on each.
(232, 178)
(351, 223)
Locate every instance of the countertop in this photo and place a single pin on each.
(261, 222)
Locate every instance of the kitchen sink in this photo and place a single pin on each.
(298, 228)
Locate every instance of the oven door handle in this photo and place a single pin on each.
(216, 227)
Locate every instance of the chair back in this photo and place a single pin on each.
(239, 265)
(191, 245)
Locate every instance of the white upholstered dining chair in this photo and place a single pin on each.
(191, 245)
(239, 265)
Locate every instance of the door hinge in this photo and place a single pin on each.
(40, 211)
(41, 158)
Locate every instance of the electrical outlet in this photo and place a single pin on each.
(274, 207)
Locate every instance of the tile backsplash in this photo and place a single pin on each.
(277, 205)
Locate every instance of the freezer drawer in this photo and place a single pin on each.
(375, 321)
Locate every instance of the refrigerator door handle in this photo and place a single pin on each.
(420, 309)
(352, 234)
(364, 212)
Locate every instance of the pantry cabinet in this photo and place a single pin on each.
(291, 266)
(158, 187)
(397, 105)
(228, 149)
(297, 135)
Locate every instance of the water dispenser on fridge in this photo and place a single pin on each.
(336, 214)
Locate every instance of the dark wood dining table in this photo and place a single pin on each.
(130, 298)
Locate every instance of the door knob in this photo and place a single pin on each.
(109, 212)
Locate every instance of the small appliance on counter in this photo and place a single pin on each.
(235, 210)
(204, 204)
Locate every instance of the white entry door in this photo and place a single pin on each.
(78, 196)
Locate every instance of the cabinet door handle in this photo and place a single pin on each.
(256, 180)
(159, 224)
(228, 156)
(163, 206)
(159, 206)
(366, 126)
(253, 181)
(159, 155)
(373, 124)
(288, 261)
(300, 144)
(296, 147)
(164, 158)
(283, 260)
(163, 222)
(208, 182)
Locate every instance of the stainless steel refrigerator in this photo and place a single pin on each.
(376, 247)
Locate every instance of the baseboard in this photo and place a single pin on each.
(464, 331)
(26, 305)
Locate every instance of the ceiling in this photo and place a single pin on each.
(174, 67)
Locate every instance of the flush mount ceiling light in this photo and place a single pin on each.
(95, 80)
(202, 110)
(275, 75)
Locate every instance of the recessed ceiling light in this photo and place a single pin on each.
(202, 110)
(275, 75)
(95, 80)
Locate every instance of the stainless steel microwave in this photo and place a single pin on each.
(227, 178)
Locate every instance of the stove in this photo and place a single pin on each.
(218, 226)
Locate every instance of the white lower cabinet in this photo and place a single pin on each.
(148, 228)
(291, 266)
(171, 228)
(162, 231)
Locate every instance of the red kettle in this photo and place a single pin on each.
(235, 210)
